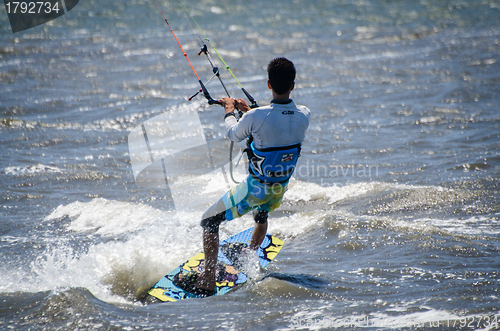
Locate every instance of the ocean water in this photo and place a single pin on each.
(392, 220)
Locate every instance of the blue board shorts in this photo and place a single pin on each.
(248, 195)
(252, 194)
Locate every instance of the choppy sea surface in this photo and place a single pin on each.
(392, 220)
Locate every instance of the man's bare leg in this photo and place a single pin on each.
(258, 235)
(206, 280)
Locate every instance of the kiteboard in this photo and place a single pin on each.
(230, 268)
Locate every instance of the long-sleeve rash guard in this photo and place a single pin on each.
(282, 123)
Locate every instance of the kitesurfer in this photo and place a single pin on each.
(275, 134)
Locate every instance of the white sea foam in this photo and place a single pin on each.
(142, 245)
(475, 225)
(305, 191)
(31, 169)
(394, 318)
(104, 217)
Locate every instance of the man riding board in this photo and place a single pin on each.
(275, 134)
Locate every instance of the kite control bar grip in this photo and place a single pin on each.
(209, 98)
(210, 101)
(207, 95)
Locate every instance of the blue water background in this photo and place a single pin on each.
(392, 221)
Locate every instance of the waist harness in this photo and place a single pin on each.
(272, 165)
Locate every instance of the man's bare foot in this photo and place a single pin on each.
(206, 283)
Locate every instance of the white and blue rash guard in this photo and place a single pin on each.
(277, 132)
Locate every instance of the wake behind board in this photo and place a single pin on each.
(229, 275)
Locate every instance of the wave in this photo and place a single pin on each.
(112, 248)
(32, 169)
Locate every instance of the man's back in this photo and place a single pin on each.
(282, 123)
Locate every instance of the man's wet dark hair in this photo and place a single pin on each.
(281, 73)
